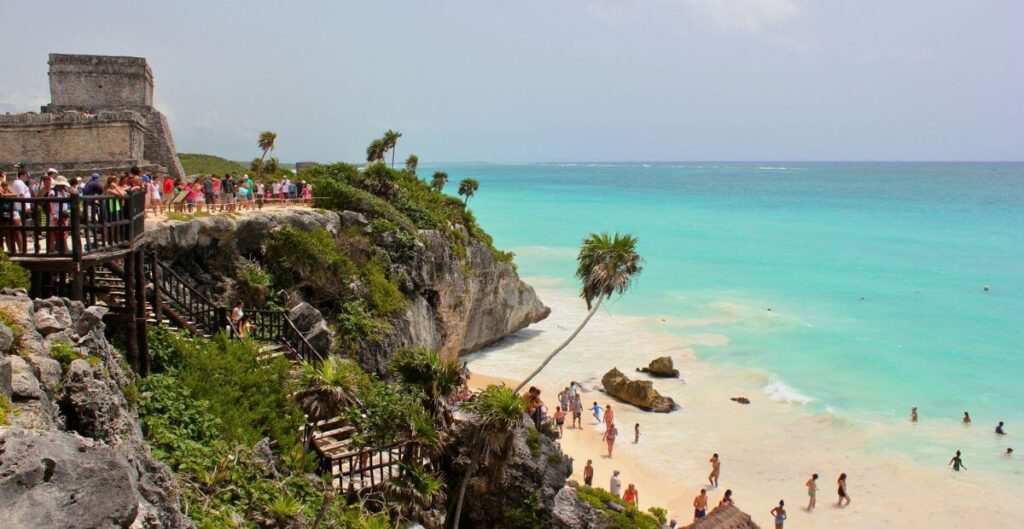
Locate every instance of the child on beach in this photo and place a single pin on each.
(588, 474)
(636, 433)
(609, 415)
(597, 412)
(609, 436)
(577, 412)
(812, 492)
(843, 496)
(779, 513)
(716, 467)
(957, 463)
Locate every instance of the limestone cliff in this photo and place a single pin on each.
(457, 303)
(72, 452)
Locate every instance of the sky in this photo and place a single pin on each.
(557, 80)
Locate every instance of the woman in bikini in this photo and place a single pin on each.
(631, 496)
(609, 436)
(843, 496)
(727, 499)
(780, 514)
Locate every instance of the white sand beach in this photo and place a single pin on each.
(768, 448)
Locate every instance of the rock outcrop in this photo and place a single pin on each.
(72, 452)
(640, 393)
(660, 367)
(457, 303)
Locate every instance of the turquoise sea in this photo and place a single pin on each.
(873, 272)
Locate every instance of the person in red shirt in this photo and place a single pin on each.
(167, 191)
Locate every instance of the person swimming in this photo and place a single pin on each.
(957, 462)
(999, 428)
(913, 414)
(967, 418)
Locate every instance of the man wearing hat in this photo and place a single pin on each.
(60, 212)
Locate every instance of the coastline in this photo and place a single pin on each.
(768, 448)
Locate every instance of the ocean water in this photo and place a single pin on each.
(854, 288)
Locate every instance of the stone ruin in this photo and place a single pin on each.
(100, 119)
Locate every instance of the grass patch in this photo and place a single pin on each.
(208, 164)
(5, 409)
(630, 518)
(533, 442)
(12, 275)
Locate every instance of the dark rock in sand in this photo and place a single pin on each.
(640, 393)
(661, 367)
(741, 400)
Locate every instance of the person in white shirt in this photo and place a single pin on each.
(616, 484)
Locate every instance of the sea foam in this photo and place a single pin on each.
(778, 391)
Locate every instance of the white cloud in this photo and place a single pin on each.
(745, 15)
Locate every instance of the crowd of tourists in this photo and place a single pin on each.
(215, 194)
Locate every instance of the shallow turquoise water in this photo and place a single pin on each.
(873, 272)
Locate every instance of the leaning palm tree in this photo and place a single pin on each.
(439, 180)
(328, 388)
(468, 187)
(437, 380)
(266, 143)
(411, 163)
(607, 264)
(375, 151)
(494, 415)
(391, 143)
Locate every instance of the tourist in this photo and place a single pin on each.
(307, 192)
(577, 411)
(913, 414)
(812, 492)
(275, 189)
(636, 433)
(609, 415)
(967, 418)
(153, 197)
(700, 505)
(1009, 452)
(292, 190)
(216, 191)
(23, 213)
(60, 212)
(999, 428)
(237, 314)
(93, 186)
(727, 499)
(76, 186)
(779, 513)
(167, 191)
(716, 468)
(563, 398)
(7, 214)
(208, 195)
(195, 191)
(610, 433)
(616, 484)
(631, 496)
(560, 420)
(588, 474)
(597, 412)
(957, 462)
(574, 389)
(259, 194)
(843, 496)
(228, 189)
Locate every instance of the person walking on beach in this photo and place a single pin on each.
(843, 496)
(609, 415)
(716, 468)
(700, 505)
(588, 474)
(957, 462)
(812, 492)
(577, 412)
(967, 418)
(563, 398)
(610, 433)
(636, 433)
(631, 496)
(560, 420)
(616, 484)
(913, 414)
(597, 412)
(779, 513)
(727, 499)
(999, 428)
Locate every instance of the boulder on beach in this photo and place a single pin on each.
(640, 393)
(661, 367)
(741, 400)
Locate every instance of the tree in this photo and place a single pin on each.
(467, 188)
(266, 143)
(437, 379)
(439, 180)
(494, 415)
(256, 165)
(391, 142)
(411, 163)
(415, 493)
(379, 181)
(375, 151)
(271, 166)
(328, 388)
(607, 264)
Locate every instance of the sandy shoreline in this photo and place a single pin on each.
(768, 449)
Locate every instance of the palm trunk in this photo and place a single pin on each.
(393, 149)
(259, 173)
(478, 451)
(558, 349)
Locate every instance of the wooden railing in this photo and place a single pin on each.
(186, 300)
(276, 326)
(70, 227)
(368, 467)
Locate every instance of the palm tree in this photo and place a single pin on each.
(378, 180)
(271, 165)
(391, 142)
(607, 264)
(439, 180)
(256, 165)
(495, 413)
(328, 388)
(411, 163)
(415, 493)
(438, 380)
(266, 143)
(468, 187)
(375, 151)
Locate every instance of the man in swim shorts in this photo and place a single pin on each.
(700, 505)
(812, 492)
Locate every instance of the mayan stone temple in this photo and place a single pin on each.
(100, 119)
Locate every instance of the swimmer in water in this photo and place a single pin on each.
(967, 418)
(999, 428)
(913, 414)
(957, 462)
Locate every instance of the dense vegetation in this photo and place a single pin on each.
(12, 275)
(208, 164)
(629, 518)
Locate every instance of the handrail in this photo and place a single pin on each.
(190, 301)
(275, 325)
(41, 227)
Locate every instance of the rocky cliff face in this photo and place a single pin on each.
(458, 304)
(71, 449)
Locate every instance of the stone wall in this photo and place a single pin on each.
(73, 138)
(93, 82)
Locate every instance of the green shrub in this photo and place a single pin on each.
(555, 458)
(357, 325)
(64, 354)
(383, 295)
(533, 442)
(385, 413)
(660, 514)
(253, 284)
(630, 518)
(310, 260)
(12, 275)
(5, 409)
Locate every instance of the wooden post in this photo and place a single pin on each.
(76, 235)
(141, 328)
(76, 286)
(129, 299)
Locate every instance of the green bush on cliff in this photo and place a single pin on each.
(12, 275)
(631, 518)
(310, 261)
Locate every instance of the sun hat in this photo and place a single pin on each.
(52, 170)
(60, 181)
